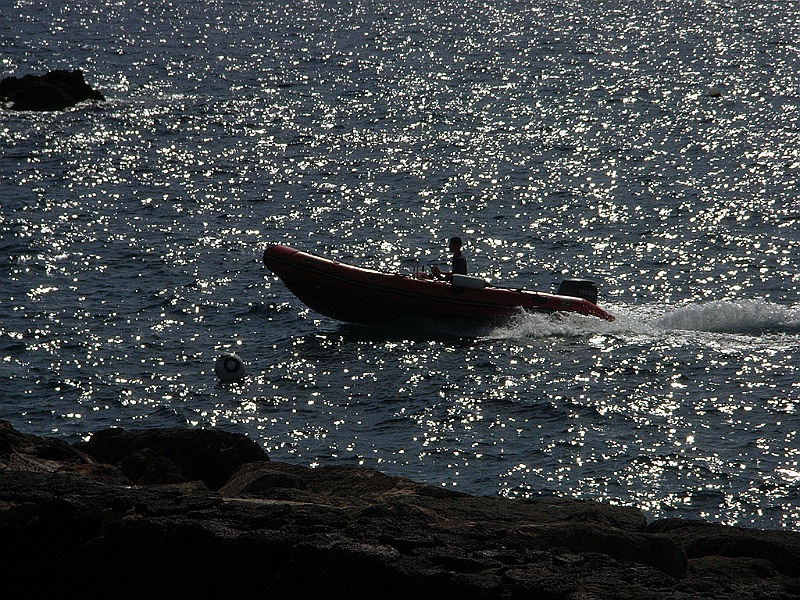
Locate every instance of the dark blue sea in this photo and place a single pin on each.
(651, 146)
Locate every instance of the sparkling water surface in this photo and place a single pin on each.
(653, 147)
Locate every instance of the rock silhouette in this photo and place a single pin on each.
(54, 91)
(204, 514)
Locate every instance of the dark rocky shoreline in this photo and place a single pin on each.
(205, 514)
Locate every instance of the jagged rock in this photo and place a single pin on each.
(288, 532)
(21, 451)
(735, 546)
(56, 90)
(24, 452)
(150, 456)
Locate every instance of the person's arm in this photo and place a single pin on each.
(441, 275)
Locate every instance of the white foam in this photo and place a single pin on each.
(743, 317)
(752, 317)
(539, 325)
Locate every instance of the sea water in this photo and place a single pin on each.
(653, 147)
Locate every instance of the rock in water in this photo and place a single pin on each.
(57, 90)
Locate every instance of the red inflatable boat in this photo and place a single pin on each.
(369, 297)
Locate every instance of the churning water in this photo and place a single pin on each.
(651, 146)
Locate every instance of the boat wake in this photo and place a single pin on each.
(750, 318)
(542, 325)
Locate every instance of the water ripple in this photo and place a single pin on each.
(650, 148)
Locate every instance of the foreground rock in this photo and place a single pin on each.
(56, 90)
(204, 514)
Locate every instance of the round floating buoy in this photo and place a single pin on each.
(229, 368)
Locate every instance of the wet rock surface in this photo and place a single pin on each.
(205, 514)
(54, 91)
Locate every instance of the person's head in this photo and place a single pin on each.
(455, 244)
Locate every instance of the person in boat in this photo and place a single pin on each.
(459, 265)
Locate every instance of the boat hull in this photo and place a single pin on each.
(369, 297)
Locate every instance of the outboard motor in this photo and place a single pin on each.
(578, 288)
